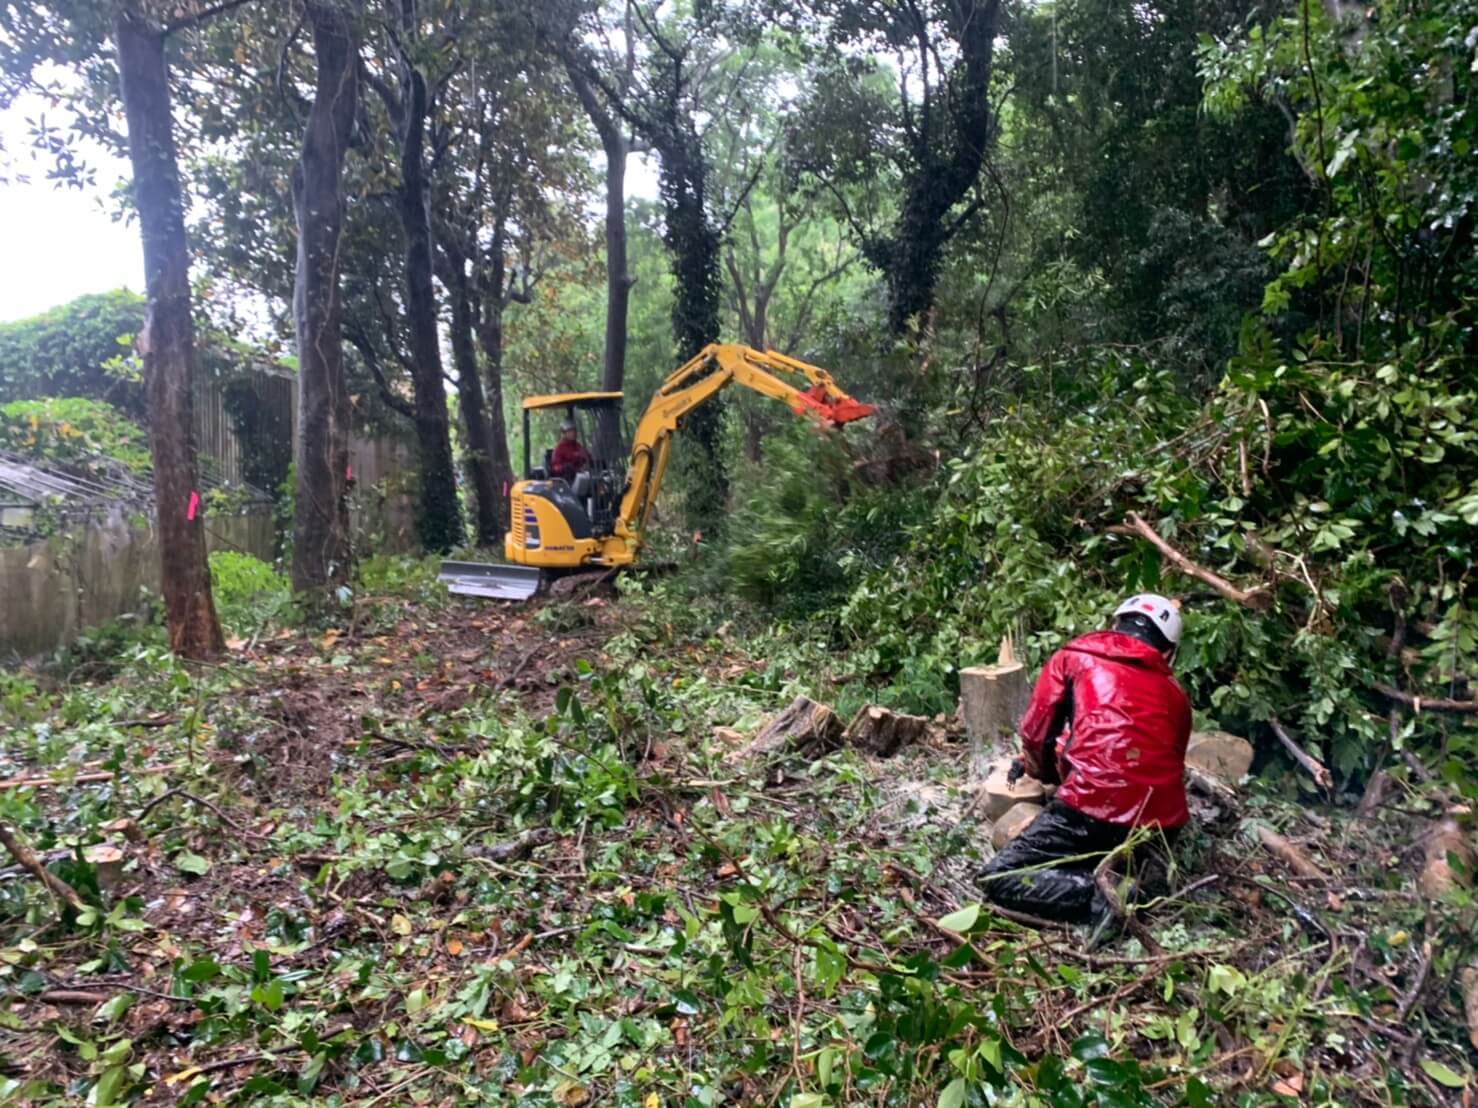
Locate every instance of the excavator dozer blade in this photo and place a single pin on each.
(496, 581)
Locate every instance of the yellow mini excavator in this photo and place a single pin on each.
(596, 519)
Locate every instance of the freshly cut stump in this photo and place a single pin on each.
(995, 797)
(882, 732)
(1220, 754)
(1469, 981)
(806, 727)
(992, 701)
(1013, 823)
(1446, 840)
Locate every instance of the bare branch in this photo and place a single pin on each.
(201, 16)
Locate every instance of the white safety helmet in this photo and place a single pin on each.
(1164, 614)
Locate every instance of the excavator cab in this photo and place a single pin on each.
(589, 499)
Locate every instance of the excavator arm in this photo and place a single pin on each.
(713, 369)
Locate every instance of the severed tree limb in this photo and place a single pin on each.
(1285, 851)
(1258, 599)
(1316, 768)
(521, 846)
(73, 996)
(88, 778)
(1427, 703)
(23, 854)
(1418, 986)
(1209, 785)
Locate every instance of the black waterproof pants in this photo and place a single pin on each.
(1047, 870)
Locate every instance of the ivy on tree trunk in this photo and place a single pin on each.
(321, 537)
(487, 481)
(440, 521)
(167, 341)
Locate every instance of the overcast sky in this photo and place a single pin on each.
(61, 242)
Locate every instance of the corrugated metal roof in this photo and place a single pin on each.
(36, 495)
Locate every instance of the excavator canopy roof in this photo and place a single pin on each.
(565, 399)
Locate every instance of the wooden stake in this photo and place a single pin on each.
(23, 854)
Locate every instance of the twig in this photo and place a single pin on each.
(517, 848)
(72, 996)
(1258, 599)
(1408, 1002)
(1315, 767)
(227, 820)
(528, 657)
(88, 778)
(1428, 703)
(22, 853)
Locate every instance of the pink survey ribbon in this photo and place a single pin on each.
(194, 506)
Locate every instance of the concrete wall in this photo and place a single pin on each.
(53, 590)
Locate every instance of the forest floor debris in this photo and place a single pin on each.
(379, 871)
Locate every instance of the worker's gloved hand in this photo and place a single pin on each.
(1016, 772)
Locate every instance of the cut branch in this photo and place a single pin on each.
(1315, 767)
(1286, 852)
(22, 853)
(1258, 599)
(1429, 703)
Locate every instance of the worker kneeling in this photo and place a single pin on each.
(1108, 721)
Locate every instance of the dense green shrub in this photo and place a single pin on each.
(73, 430)
(248, 593)
(82, 348)
(808, 526)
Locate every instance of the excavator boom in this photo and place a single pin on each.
(713, 369)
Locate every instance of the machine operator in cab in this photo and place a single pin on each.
(569, 456)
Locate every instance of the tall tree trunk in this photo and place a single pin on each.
(490, 334)
(322, 551)
(618, 276)
(694, 243)
(440, 522)
(486, 486)
(945, 168)
(167, 341)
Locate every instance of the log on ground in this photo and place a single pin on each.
(882, 732)
(806, 727)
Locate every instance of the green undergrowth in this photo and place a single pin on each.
(676, 927)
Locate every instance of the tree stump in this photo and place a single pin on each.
(882, 732)
(992, 701)
(1469, 981)
(806, 727)
(995, 797)
(1220, 754)
(1444, 841)
(1016, 820)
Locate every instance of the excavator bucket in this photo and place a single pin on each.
(495, 581)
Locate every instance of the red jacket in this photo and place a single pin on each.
(1123, 759)
(569, 459)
